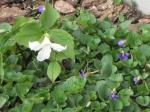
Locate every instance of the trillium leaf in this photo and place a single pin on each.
(28, 33)
(53, 70)
(21, 21)
(48, 17)
(65, 39)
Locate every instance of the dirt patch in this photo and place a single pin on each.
(8, 13)
(9, 9)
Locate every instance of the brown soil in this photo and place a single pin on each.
(9, 9)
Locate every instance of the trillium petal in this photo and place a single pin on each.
(44, 53)
(35, 46)
(57, 47)
(46, 41)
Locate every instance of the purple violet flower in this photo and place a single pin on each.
(123, 56)
(82, 73)
(113, 95)
(136, 79)
(40, 8)
(121, 43)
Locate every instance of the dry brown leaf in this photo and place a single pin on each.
(73, 2)
(6, 12)
(6, 1)
(87, 3)
(64, 7)
(144, 20)
(133, 27)
(106, 13)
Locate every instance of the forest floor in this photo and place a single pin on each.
(9, 9)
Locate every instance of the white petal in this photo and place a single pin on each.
(35, 46)
(46, 41)
(44, 53)
(57, 47)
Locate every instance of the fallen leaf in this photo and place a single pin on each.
(144, 20)
(64, 7)
(73, 2)
(11, 12)
(2, 2)
(87, 3)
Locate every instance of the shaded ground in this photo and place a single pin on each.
(9, 9)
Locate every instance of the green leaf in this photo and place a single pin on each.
(21, 21)
(126, 92)
(28, 33)
(146, 110)
(71, 25)
(142, 89)
(116, 77)
(124, 25)
(40, 95)
(93, 44)
(144, 50)
(104, 48)
(117, 2)
(59, 95)
(133, 39)
(143, 100)
(109, 33)
(23, 88)
(107, 66)
(116, 106)
(102, 85)
(85, 18)
(3, 100)
(1, 68)
(63, 38)
(6, 42)
(69, 110)
(48, 17)
(125, 96)
(5, 27)
(145, 28)
(53, 70)
(97, 63)
(74, 84)
(27, 106)
(18, 77)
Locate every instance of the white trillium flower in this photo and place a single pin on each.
(45, 48)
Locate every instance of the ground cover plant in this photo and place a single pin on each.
(73, 64)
